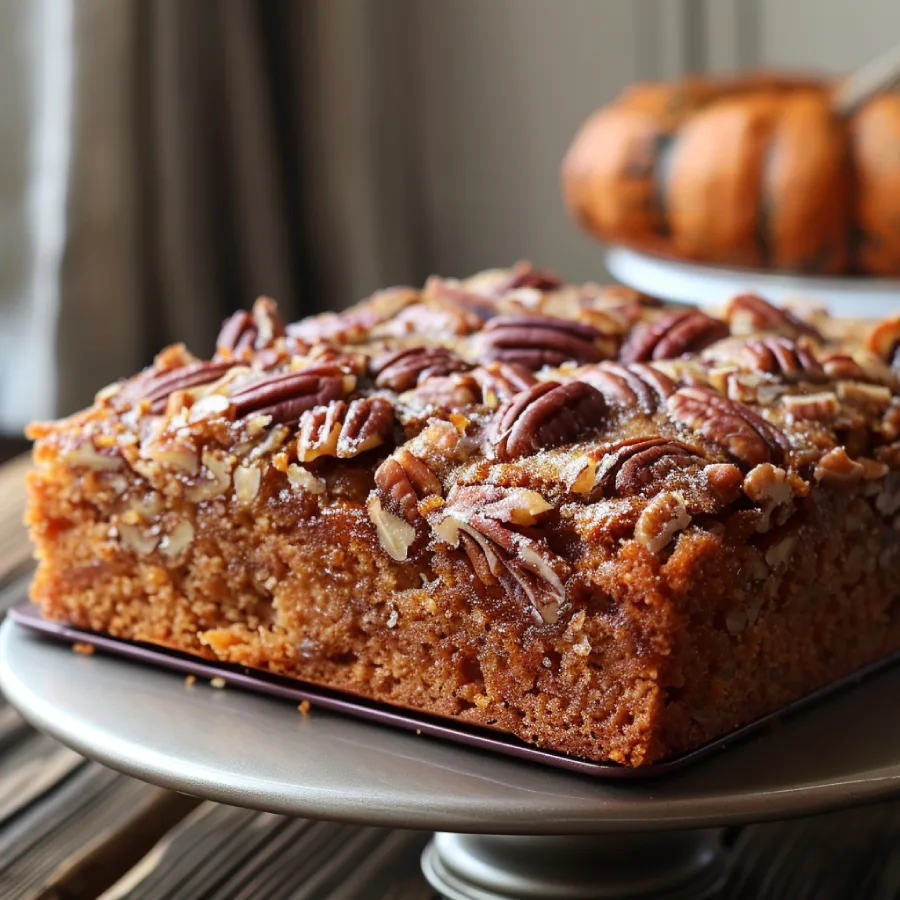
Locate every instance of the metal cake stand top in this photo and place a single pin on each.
(253, 751)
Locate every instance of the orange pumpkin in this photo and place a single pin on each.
(755, 172)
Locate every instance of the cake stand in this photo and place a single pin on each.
(712, 285)
(506, 828)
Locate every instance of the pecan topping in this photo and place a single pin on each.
(635, 387)
(344, 431)
(548, 414)
(244, 332)
(630, 465)
(782, 356)
(285, 397)
(403, 480)
(748, 312)
(484, 521)
(884, 341)
(157, 386)
(748, 437)
(538, 341)
(500, 381)
(675, 334)
(404, 369)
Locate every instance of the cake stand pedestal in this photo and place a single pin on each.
(507, 829)
(704, 285)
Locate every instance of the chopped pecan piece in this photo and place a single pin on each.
(434, 317)
(548, 414)
(823, 407)
(344, 431)
(748, 312)
(884, 341)
(538, 341)
(671, 335)
(630, 465)
(748, 437)
(636, 387)
(448, 391)
(452, 293)
(836, 467)
(285, 397)
(782, 356)
(403, 480)
(395, 535)
(839, 365)
(501, 381)
(484, 521)
(157, 386)
(245, 332)
(401, 370)
(663, 517)
(353, 325)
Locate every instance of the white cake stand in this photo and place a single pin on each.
(507, 829)
(712, 285)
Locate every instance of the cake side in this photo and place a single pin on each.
(610, 528)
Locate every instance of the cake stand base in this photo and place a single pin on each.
(675, 865)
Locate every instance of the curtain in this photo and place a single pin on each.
(165, 162)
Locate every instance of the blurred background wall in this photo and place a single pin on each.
(162, 162)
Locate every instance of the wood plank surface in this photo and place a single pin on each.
(15, 550)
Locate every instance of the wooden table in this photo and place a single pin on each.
(73, 830)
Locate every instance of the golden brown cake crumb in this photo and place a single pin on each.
(83, 648)
(611, 528)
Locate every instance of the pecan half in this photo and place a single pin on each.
(484, 521)
(500, 382)
(781, 356)
(244, 332)
(548, 414)
(674, 334)
(403, 480)
(628, 466)
(344, 431)
(635, 387)
(525, 275)
(157, 386)
(285, 397)
(748, 312)
(401, 370)
(735, 427)
(538, 341)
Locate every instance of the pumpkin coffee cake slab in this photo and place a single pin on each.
(609, 527)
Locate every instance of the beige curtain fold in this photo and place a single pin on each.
(191, 156)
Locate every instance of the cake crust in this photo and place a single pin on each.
(611, 528)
